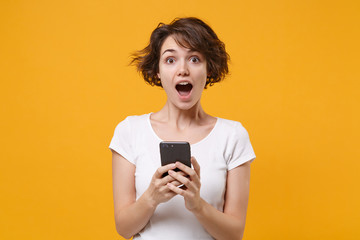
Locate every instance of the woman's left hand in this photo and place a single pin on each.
(191, 189)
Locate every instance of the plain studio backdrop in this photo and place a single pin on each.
(66, 84)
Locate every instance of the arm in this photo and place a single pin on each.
(132, 215)
(229, 224)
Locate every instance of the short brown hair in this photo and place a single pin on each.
(191, 33)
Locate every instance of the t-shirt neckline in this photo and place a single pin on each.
(194, 144)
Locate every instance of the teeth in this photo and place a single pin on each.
(183, 83)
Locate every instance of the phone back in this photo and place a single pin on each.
(172, 152)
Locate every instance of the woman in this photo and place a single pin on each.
(183, 58)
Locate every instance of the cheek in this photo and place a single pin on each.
(165, 72)
(202, 76)
(166, 83)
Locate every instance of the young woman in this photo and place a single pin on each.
(183, 58)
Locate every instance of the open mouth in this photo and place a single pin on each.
(184, 88)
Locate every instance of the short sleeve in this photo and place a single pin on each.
(121, 141)
(242, 150)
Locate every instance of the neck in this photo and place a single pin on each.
(180, 118)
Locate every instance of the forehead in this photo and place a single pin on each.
(171, 43)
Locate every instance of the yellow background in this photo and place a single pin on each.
(65, 84)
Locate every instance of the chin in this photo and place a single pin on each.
(185, 105)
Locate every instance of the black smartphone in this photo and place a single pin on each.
(172, 152)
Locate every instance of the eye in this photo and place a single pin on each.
(194, 59)
(170, 60)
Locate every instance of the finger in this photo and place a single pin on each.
(164, 189)
(195, 165)
(175, 189)
(183, 167)
(166, 192)
(176, 183)
(169, 178)
(191, 172)
(161, 170)
(166, 180)
(184, 180)
(182, 173)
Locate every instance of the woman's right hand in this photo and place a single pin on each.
(158, 192)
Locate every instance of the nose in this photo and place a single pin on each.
(183, 69)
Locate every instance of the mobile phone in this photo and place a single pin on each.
(172, 152)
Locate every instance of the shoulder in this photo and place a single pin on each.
(231, 127)
(230, 123)
(131, 124)
(137, 118)
(238, 148)
(134, 120)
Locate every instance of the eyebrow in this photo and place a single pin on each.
(168, 50)
(173, 50)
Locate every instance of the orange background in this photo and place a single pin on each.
(65, 84)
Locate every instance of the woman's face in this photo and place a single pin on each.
(182, 73)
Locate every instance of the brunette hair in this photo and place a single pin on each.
(191, 33)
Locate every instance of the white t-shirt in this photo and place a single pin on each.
(224, 148)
